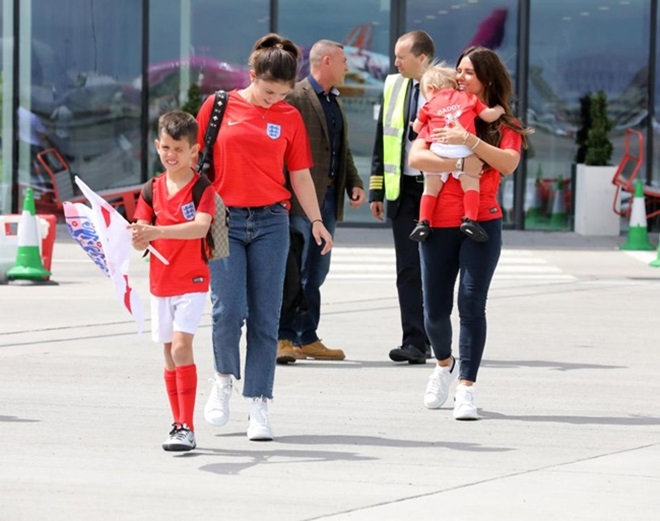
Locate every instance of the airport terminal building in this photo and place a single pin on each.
(84, 81)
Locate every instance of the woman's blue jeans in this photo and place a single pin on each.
(447, 254)
(246, 288)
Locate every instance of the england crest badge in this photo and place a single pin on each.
(273, 130)
(188, 211)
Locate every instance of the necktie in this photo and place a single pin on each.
(412, 135)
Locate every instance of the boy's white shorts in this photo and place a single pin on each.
(180, 313)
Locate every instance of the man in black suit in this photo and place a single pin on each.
(393, 180)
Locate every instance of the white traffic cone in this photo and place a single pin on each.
(558, 217)
(638, 237)
(29, 266)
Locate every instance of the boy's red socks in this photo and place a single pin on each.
(186, 383)
(471, 204)
(172, 394)
(426, 207)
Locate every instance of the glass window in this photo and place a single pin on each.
(568, 59)
(655, 168)
(6, 81)
(457, 25)
(365, 35)
(79, 94)
(195, 48)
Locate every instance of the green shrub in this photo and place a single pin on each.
(598, 145)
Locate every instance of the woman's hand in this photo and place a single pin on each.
(454, 135)
(473, 166)
(320, 233)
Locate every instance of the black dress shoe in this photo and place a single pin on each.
(408, 353)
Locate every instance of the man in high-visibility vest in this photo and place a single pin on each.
(393, 180)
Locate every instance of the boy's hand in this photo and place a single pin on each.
(141, 245)
(143, 234)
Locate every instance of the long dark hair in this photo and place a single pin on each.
(498, 90)
(275, 58)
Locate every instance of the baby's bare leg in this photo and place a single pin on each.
(469, 183)
(433, 184)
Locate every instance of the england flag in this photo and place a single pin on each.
(104, 235)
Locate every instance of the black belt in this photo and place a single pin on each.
(417, 178)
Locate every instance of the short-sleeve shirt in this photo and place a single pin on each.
(187, 272)
(449, 208)
(449, 106)
(252, 148)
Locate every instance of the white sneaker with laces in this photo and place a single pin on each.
(437, 389)
(465, 407)
(259, 428)
(181, 439)
(216, 411)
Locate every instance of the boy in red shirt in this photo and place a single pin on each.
(178, 289)
(446, 105)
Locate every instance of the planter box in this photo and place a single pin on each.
(594, 196)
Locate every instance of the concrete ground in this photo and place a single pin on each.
(568, 390)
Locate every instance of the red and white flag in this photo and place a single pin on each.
(104, 235)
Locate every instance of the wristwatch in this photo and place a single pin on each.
(459, 164)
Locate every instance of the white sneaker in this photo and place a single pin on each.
(259, 428)
(465, 407)
(181, 439)
(437, 389)
(216, 411)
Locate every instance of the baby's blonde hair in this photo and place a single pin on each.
(439, 76)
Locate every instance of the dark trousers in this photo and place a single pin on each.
(408, 270)
(447, 254)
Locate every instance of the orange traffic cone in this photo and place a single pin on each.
(28, 266)
(638, 237)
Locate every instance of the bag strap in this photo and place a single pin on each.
(148, 192)
(197, 191)
(219, 105)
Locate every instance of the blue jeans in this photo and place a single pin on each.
(301, 327)
(447, 254)
(246, 287)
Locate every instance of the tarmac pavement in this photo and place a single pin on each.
(568, 395)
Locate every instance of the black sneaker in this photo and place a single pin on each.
(408, 353)
(421, 231)
(473, 230)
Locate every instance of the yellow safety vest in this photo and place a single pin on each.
(394, 128)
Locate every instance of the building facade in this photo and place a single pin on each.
(82, 82)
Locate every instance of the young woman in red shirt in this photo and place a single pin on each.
(259, 135)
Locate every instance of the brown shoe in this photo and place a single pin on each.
(318, 351)
(287, 353)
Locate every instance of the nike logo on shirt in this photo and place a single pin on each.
(230, 123)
